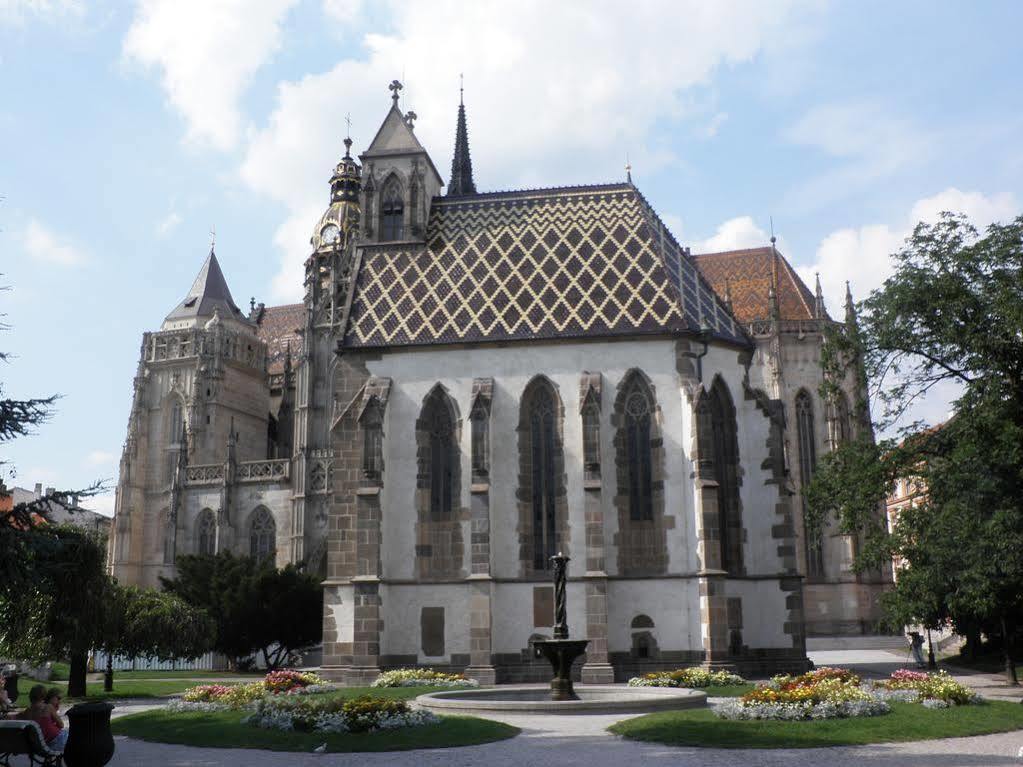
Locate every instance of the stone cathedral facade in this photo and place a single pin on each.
(477, 381)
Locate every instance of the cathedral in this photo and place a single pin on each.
(476, 381)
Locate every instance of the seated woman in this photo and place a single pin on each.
(42, 709)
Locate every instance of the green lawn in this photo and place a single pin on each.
(123, 688)
(199, 675)
(225, 730)
(907, 721)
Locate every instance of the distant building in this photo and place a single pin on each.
(75, 514)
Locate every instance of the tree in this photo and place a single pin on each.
(147, 623)
(255, 606)
(951, 312)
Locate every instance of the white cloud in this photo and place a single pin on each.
(862, 255)
(21, 11)
(43, 245)
(710, 130)
(169, 223)
(867, 143)
(734, 234)
(551, 101)
(344, 11)
(207, 53)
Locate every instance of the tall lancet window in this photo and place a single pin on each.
(372, 442)
(591, 438)
(262, 534)
(207, 532)
(637, 436)
(439, 463)
(725, 447)
(843, 426)
(542, 444)
(392, 212)
(807, 466)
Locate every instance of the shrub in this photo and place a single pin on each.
(284, 682)
(416, 677)
(693, 676)
(364, 714)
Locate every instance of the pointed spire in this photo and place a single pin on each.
(208, 293)
(728, 295)
(850, 306)
(628, 169)
(818, 307)
(461, 165)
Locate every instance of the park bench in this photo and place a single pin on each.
(19, 737)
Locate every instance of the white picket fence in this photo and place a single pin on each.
(208, 662)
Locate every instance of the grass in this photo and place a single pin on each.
(241, 677)
(224, 729)
(123, 688)
(726, 690)
(907, 721)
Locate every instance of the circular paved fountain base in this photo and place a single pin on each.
(593, 699)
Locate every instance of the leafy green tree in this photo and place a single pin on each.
(255, 606)
(951, 312)
(147, 623)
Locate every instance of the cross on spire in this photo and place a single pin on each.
(348, 123)
(213, 237)
(394, 87)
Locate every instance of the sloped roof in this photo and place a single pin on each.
(747, 274)
(279, 327)
(208, 292)
(537, 264)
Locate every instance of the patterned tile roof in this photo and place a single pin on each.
(278, 328)
(551, 263)
(748, 274)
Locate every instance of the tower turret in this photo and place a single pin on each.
(461, 164)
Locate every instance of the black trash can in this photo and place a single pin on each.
(90, 742)
(11, 686)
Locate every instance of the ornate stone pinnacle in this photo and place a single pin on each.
(394, 87)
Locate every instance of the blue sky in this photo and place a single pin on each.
(129, 130)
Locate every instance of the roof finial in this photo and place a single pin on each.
(628, 169)
(213, 237)
(461, 89)
(394, 87)
(728, 294)
(850, 306)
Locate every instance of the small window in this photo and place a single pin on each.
(392, 213)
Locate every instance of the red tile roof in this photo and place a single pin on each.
(748, 274)
(279, 328)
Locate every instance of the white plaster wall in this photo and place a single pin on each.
(763, 612)
(402, 608)
(512, 615)
(340, 607)
(673, 605)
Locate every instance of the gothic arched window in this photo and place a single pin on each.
(480, 442)
(392, 212)
(638, 452)
(262, 534)
(542, 446)
(725, 452)
(372, 441)
(591, 438)
(207, 532)
(413, 203)
(806, 436)
(843, 426)
(438, 464)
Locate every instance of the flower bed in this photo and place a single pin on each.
(365, 714)
(416, 677)
(932, 690)
(686, 677)
(826, 693)
(218, 697)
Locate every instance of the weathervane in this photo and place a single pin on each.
(213, 237)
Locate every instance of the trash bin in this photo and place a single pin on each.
(90, 742)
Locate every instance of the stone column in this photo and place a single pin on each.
(597, 669)
(481, 666)
(366, 591)
(711, 578)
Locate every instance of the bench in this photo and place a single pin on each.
(19, 737)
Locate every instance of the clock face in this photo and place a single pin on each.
(329, 233)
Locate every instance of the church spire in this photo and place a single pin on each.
(819, 311)
(850, 307)
(461, 165)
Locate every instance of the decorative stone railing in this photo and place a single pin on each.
(263, 471)
(195, 342)
(800, 327)
(204, 474)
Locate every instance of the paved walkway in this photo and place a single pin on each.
(581, 741)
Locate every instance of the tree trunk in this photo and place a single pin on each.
(76, 675)
(108, 676)
(1010, 664)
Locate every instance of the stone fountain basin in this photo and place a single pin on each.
(593, 699)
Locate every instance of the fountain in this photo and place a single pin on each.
(563, 697)
(561, 651)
